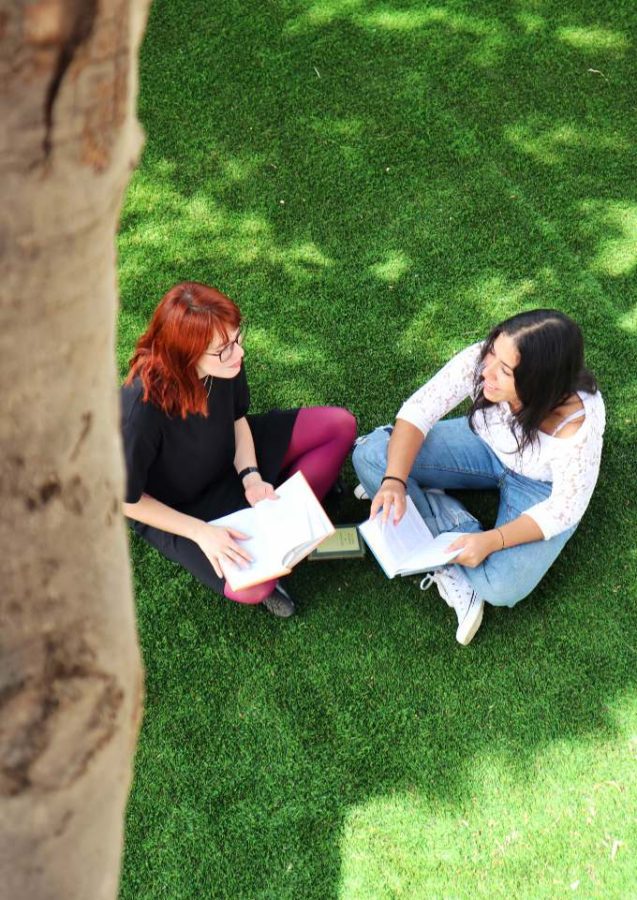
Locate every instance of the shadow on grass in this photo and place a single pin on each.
(376, 184)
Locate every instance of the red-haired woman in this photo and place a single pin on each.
(193, 454)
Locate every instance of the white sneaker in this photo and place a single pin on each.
(455, 589)
(434, 578)
(360, 493)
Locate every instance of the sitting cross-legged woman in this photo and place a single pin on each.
(534, 432)
(192, 451)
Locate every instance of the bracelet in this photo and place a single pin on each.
(394, 478)
(247, 471)
(501, 535)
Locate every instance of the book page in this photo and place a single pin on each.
(306, 524)
(393, 545)
(282, 532)
(258, 545)
(406, 538)
(431, 556)
(407, 547)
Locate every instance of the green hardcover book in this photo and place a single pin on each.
(345, 543)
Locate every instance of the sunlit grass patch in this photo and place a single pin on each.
(594, 39)
(551, 143)
(319, 13)
(393, 267)
(613, 225)
(546, 835)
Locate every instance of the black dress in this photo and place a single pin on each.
(188, 464)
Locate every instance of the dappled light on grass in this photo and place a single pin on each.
(551, 143)
(302, 260)
(549, 831)
(320, 13)
(377, 183)
(531, 22)
(272, 349)
(496, 297)
(344, 127)
(491, 34)
(289, 365)
(594, 40)
(613, 225)
(181, 226)
(347, 134)
(629, 321)
(502, 297)
(393, 267)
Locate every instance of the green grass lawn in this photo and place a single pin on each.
(376, 184)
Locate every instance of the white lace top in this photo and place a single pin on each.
(570, 463)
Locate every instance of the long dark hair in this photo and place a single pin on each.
(551, 368)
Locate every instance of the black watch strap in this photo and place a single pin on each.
(247, 471)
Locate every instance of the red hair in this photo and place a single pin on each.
(182, 328)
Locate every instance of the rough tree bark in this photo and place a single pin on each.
(70, 673)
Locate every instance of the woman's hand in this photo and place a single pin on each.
(219, 545)
(390, 494)
(259, 490)
(475, 548)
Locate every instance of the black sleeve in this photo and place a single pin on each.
(141, 437)
(241, 395)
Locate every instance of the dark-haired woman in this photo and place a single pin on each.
(534, 432)
(194, 454)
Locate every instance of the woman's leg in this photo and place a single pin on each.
(508, 576)
(452, 456)
(255, 594)
(321, 439)
(189, 555)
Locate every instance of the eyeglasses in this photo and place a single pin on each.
(226, 352)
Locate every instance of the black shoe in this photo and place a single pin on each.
(279, 603)
(334, 498)
(337, 490)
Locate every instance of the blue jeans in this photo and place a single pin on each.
(453, 457)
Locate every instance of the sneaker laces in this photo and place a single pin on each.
(453, 587)
(462, 592)
(427, 581)
(436, 578)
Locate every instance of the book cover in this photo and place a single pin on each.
(345, 543)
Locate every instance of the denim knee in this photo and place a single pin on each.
(506, 585)
(505, 594)
(369, 456)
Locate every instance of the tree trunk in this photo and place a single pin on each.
(70, 673)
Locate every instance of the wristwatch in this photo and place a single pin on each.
(247, 471)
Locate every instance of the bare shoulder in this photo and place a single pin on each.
(555, 420)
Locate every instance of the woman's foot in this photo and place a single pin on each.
(360, 493)
(456, 590)
(279, 603)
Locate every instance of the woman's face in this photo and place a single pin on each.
(222, 359)
(498, 383)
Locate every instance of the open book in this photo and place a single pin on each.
(282, 533)
(408, 547)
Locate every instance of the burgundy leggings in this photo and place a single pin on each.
(321, 439)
